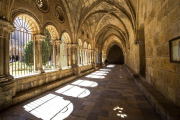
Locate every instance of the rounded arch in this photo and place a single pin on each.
(68, 34)
(89, 46)
(24, 22)
(111, 41)
(115, 53)
(80, 42)
(65, 37)
(85, 45)
(124, 38)
(52, 30)
(113, 44)
(29, 19)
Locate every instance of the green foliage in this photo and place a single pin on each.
(48, 40)
(28, 53)
(45, 52)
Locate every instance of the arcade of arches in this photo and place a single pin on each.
(47, 43)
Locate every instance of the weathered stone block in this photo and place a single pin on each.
(176, 29)
(170, 66)
(168, 33)
(172, 94)
(164, 23)
(161, 37)
(155, 73)
(173, 15)
(164, 2)
(157, 8)
(160, 15)
(173, 80)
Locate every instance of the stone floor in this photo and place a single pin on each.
(109, 93)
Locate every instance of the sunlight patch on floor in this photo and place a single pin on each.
(111, 66)
(85, 83)
(74, 91)
(50, 107)
(98, 74)
(120, 112)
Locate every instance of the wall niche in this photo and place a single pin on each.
(43, 5)
(60, 14)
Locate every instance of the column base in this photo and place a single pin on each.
(7, 91)
(94, 65)
(58, 69)
(40, 71)
(4, 78)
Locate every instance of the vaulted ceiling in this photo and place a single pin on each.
(104, 20)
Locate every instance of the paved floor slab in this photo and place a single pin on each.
(109, 93)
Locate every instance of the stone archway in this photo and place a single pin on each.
(115, 55)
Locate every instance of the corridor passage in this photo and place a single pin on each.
(109, 93)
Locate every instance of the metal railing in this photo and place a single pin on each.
(21, 53)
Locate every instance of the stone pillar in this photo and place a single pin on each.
(74, 58)
(101, 56)
(82, 56)
(78, 54)
(69, 55)
(35, 55)
(58, 43)
(7, 83)
(39, 39)
(54, 54)
(90, 56)
(94, 58)
(86, 56)
(5, 29)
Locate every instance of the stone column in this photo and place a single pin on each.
(82, 52)
(39, 39)
(86, 56)
(69, 55)
(5, 29)
(54, 55)
(100, 57)
(74, 58)
(7, 83)
(58, 43)
(35, 55)
(78, 54)
(90, 56)
(94, 58)
(81, 56)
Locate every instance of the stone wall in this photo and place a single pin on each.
(85, 68)
(21, 89)
(162, 23)
(29, 82)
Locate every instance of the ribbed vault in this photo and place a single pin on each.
(104, 19)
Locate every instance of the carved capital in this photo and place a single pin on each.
(58, 41)
(40, 37)
(74, 45)
(5, 28)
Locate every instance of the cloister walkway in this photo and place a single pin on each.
(109, 93)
